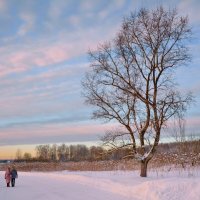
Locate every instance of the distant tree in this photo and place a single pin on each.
(63, 152)
(96, 153)
(18, 155)
(131, 80)
(27, 156)
(82, 152)
(43, 152)
(72, 152)
(53, 152)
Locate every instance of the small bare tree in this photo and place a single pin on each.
(131, 80)
(179, 129)
(18, 155)
(27, 156)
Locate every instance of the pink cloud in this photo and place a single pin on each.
(190, 122)
(59, 130)
(51, 50)
(193, 122)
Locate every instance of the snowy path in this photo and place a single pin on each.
(99, 186)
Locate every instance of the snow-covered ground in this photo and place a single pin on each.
(115, 185)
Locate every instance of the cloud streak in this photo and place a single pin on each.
(51, 133)
(28, 23)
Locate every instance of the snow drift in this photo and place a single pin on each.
(115, 185)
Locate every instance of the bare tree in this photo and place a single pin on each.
(96, 153)
(53, 152)
(43, 152)
(179, 129)
(18, 155)
(131, 80)
(27, 156)
(63, 152)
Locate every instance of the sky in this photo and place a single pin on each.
(43, 59)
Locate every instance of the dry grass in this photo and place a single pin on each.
(178, 155)
(74, 166)
(160, 160)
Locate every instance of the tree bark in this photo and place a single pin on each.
(143, 170)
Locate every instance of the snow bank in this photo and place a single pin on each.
(117, 185)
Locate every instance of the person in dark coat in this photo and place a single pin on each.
(14, 175)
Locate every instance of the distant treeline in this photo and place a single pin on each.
(66, 153)
(79, 152)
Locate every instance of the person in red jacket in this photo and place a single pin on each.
(8, 176)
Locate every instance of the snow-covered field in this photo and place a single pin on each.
(115, 185)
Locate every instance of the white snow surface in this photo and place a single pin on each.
(115, 185)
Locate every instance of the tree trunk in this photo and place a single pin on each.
(143, 170)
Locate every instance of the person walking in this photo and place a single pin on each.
(8, 176)
(14, 175)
